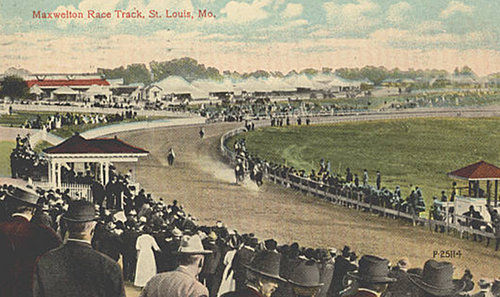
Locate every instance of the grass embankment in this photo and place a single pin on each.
(6, 148)
(40, 146)
(417, 152)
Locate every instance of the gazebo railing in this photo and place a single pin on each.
(78, 191)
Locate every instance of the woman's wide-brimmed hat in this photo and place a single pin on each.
(305, 274)
(24, 195)
(437, 279)
(192, 245)
(266, 263)
(80, 211)
(372, 269)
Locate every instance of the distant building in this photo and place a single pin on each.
(65, 86)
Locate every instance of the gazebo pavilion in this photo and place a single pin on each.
(474, 174)
(101, 151)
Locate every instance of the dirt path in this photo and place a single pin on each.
(206, 188)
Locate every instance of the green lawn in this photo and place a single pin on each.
(407, 152)
(40, 146)
(20, 117)
(6, 148)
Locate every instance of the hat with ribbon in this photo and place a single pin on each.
(372, 269)
(305, 274)
(24, 195)
(80, 211)
(437, 279)
(266, 263)
(192, 245)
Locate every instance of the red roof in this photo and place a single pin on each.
(76, 144)
(66, 82)
(476, 171)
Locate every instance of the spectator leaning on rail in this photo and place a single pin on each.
(182, 281)
(75, 269)
(21, 242)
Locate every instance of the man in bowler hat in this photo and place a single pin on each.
(75, 269)
(372, 276)
(184, 280)
(21, 242)
(263, 276)
(305, 278)
(437, 280)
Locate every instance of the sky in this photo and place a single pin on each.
(247, 35)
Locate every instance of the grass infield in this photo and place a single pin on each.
(409, 153)
(6, 148)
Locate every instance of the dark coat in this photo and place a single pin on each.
(21, 242)
(325, 277)
(75, 269)
(241, 258)
(363, 294)
(402, 286)
(42, 218)
(246, 292)
(341, 267)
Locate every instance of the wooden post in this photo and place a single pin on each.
(488, 190)
(496, 192)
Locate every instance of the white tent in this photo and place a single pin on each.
(210, 86)
(299, 81)
(96, 90)
(35, 89)
(279, 85)
(177, 85)
(65, 90)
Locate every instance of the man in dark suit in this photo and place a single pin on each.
(75, 269)
(263, 277)
(211, 262)
(341, 267)
(21, 242)
(372, 277)
(242, 258)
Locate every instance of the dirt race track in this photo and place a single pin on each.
(205, 187)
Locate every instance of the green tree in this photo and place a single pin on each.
(14, 87)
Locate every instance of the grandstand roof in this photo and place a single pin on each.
(477, 171)
(66, 82)
(76, 144)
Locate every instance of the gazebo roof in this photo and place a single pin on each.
(76, 144)
(477, 171)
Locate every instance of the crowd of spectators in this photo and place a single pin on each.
(25, 162)
(145, 234)
(262, 109)
(59, 120)
(358, 189)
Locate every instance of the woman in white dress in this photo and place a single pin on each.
(146, 264)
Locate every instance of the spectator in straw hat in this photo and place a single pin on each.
(21, 242)
(183, 281)
(372, 276)
(304, 279)
(75, 269)
(263, 276)
(437, 280)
